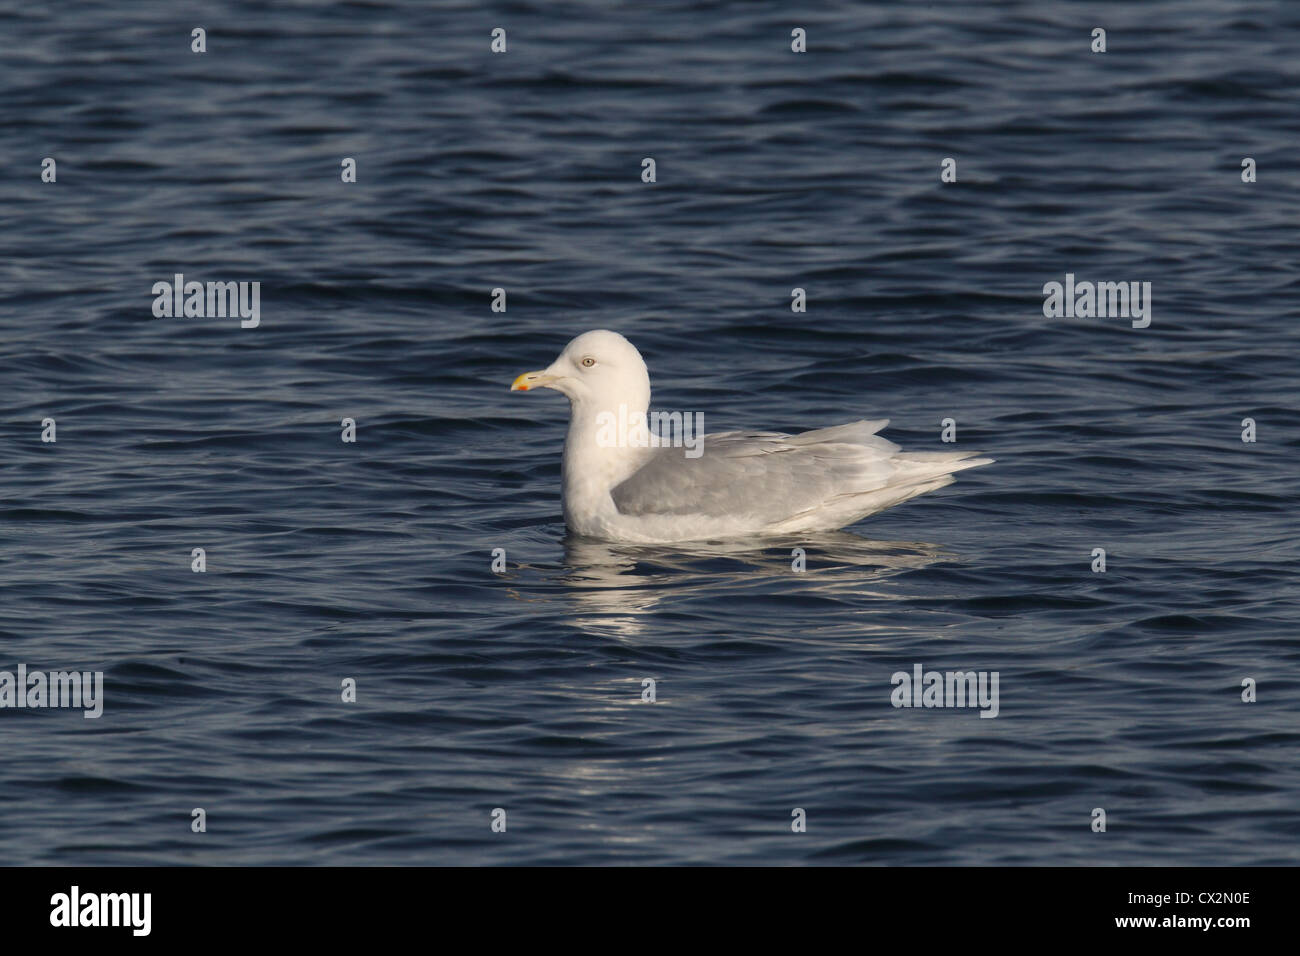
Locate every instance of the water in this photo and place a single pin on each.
(522, 691)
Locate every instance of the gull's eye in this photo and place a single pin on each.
(588, 362)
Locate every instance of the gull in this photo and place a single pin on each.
(629, 484)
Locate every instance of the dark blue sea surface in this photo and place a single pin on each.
(522, 690)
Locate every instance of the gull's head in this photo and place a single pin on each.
(599, 369)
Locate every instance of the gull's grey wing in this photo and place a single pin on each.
(767, 475)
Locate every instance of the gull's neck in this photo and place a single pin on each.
(607, 442)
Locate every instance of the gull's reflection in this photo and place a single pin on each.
(616, 587)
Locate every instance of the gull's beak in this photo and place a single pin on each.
(532, 380)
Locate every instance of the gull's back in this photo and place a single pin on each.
(771, 482)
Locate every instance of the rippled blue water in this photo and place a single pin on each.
(522, 691)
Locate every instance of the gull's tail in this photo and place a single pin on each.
(906, 475)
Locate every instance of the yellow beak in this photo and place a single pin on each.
(531, 380)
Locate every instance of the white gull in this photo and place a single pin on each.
(743, 483)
